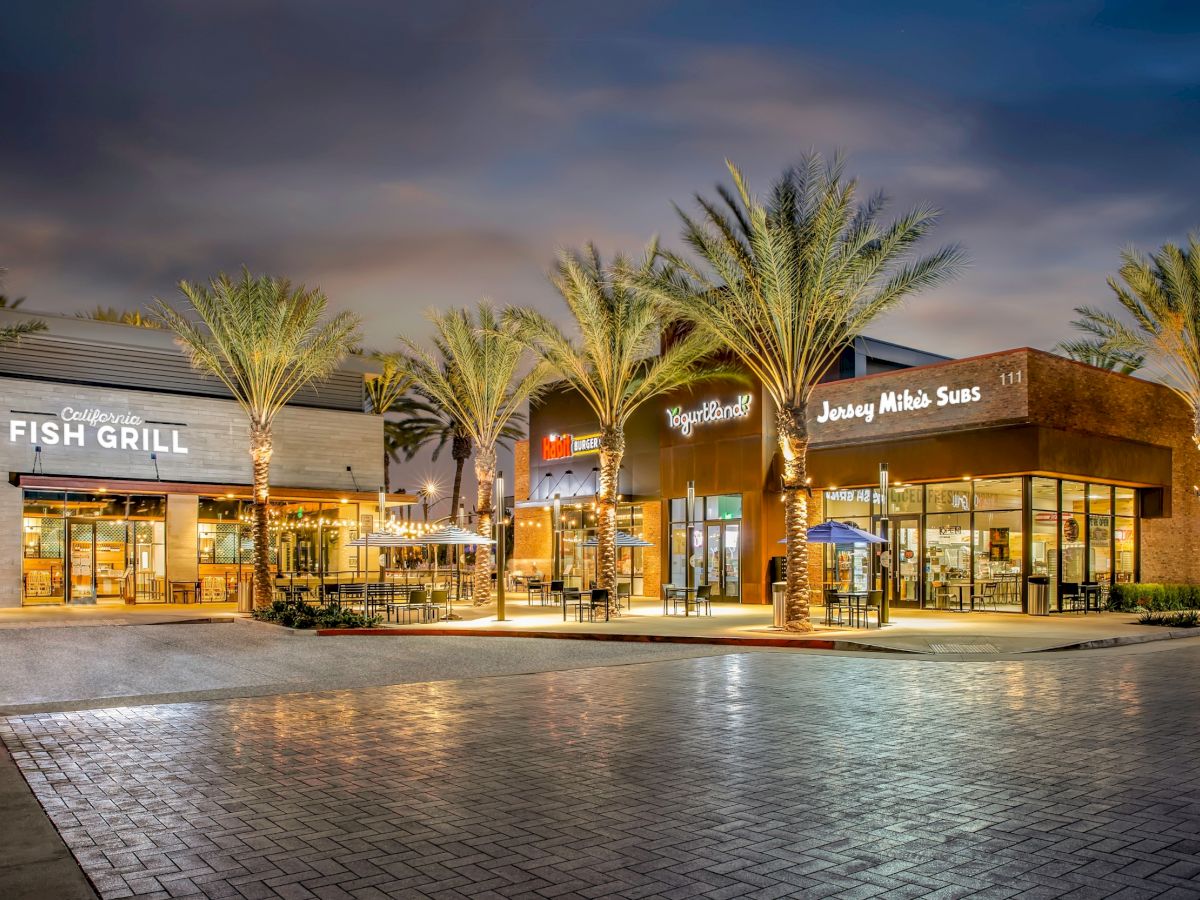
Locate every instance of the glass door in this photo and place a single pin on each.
(723, 560)
(81, 562)
(906, 562)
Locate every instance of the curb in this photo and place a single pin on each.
(792, 643)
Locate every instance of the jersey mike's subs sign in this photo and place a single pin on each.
(95, 427)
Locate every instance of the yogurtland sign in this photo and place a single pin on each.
(706, 413)
(95, 427)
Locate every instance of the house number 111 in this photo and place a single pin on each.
(1010, 378)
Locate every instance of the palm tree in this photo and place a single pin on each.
(120, 317)
(1093, 350)
(786, 284)
(420, 422)
(476, 377)
(382, 391)
(12, 333)
(1161, 294)
(615, 365)
(265, 340)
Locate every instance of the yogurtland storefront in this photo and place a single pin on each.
(128, 474)
(1005, 470)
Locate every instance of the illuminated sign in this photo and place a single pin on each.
(102, 428)
(899, 402)
(564, 446)
(706, 413)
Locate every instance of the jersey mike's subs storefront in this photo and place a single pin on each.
(1003, 467)
(128, 474)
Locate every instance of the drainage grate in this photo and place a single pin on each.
(964, 648)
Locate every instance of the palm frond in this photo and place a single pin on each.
(263, 338)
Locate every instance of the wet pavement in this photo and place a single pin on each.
(755, 774)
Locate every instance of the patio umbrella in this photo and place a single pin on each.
(447, 535)
(839, 533)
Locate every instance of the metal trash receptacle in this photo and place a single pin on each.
(1039, 597)
(779, 602)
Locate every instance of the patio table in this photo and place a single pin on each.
(855, 601)
(676, 589)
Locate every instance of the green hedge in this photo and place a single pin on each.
(298, 614)
(1154, 597)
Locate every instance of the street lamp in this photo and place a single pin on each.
(884, 550)
(498, 519)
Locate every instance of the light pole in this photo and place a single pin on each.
(885, 558)
(554, 535)
(499, 520)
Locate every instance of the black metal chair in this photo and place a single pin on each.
(533, 587)
(874, 601)
(1070, 595)
(834, 605)
(555, 594)
(624, 595)
(704, 599)
(985, 595)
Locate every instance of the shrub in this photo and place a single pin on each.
(299, 614)
(1189, 618)
(1153, 597)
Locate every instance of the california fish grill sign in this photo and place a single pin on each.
(95, 427)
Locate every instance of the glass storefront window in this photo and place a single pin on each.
(947, 557)
(89, 548)
(1074, 535)
(846, 503)
(906, 499)
(1045, 493)
(1099, 499)
(998, 548)
(948, 497)
(1100, 548)
(1043, 549)
(1123, 545)
(848, 566)
(1125, 500)
(710, 552)
(998, 493)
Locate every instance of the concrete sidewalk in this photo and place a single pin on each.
(910, 631)
(60, 616)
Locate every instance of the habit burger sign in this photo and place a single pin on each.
(564, 446)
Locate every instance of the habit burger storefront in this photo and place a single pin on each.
(1004, 468)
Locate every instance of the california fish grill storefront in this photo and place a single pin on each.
(117, 494)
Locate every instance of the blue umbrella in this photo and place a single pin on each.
(839, 533)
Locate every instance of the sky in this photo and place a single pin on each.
(406, 155)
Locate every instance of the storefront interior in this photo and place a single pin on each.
(107, 547)
(706, 546)
(982, 539)
(574, 562)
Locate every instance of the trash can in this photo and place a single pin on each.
(779, 602)
(1039, 596)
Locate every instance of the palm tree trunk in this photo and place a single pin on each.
(460, 450)
(792, 425)
(387, 470)
(485, 479)
(612, 451)
(260, 452)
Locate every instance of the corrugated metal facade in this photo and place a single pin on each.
(147, 365)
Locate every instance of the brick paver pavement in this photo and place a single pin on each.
(764, 774)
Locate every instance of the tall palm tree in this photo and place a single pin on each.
(420, 422)
(476, 376)
(265, 340)
(787, 283)
(615, 364)
(382, 391)
(1161, 294)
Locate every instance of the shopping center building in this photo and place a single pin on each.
(1003, 468)
(128, 472)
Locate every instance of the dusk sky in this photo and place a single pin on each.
(404, 155)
